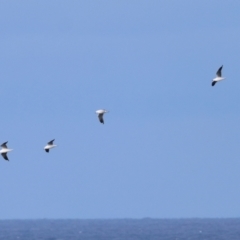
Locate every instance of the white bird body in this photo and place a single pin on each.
(100, 113)
(49, 146)
(218, 77)
(5, 150)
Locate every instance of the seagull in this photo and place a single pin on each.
(100, 114)
(49, 146)
(5, 150)
(218, 77)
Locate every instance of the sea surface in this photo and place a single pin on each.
(122, 229)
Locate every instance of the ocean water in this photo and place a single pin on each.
(121, 229)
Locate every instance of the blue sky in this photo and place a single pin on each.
(169, 147)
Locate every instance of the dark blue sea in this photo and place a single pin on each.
(121, 229)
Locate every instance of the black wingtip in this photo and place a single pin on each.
(51, 142)
(47, 150)
(4, 155)
(213, 83)
(4, 144)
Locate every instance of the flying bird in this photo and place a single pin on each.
(5, 150)
(218, 77)
(49, 146)
(100, 114)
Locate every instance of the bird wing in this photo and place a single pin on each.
(100, 117)
(213, 83)
(47, 150)
(5, 156)
(51, 142)
(219, 71)
(4, 145)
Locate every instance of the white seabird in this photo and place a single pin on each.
(49, 146)
(218, 77)
(5, 150)
(100, 113)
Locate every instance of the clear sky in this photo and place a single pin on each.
(169, 147)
